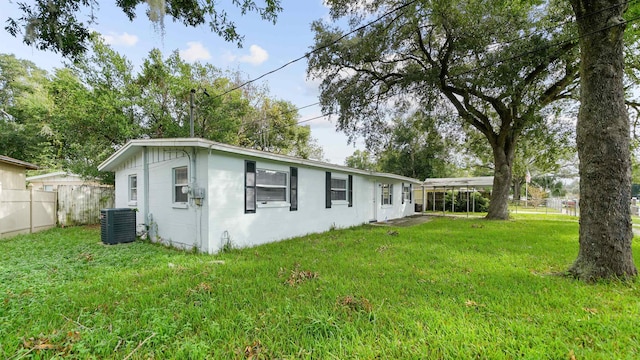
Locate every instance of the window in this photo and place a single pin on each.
(387, 194)
(133, 187)
(249, 187)
(293, 189)
(406, 193)
(271, 185)
(338, 189)
(48, 188)
(180, 180)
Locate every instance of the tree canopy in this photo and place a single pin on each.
(57, 25)
(495, 64)
(76, 117)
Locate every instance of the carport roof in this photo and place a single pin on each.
(475, 182)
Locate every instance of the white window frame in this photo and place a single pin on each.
(178, 186)
(386, 200)
(406, 193)
(133, 190)
(48, 188)
(285, 187)
(344, 190)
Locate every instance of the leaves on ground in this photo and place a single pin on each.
(354, 303)
(254, 351)
(298, 276)
(591, 311)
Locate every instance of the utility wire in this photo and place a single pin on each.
(319, 48)
(493, 63)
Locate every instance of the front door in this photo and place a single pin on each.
(374, 205)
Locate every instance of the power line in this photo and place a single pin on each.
(318, 48)
(493, 63)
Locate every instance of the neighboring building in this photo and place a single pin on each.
(198, 193)
(51, 181)
(13, 173)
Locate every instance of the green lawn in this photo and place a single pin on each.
(452, 288)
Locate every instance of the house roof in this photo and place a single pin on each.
(53, 174)
(134, 146)
(480, 181)
(16, 162)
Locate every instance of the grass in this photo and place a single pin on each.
(452, 288)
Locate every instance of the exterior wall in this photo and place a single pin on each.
(221, 218)
(272, 222)
(12, 177)
(398, 208)
(174, 224)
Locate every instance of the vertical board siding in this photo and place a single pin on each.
(80, 205)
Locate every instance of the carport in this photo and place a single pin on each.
(470, 185)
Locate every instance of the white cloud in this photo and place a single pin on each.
(257, 56)
(195, 51)
(124, 39)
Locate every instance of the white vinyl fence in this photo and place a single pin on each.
(81, 204)
(26, 211)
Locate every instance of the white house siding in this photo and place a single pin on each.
(272, 222)
(180, 225)
(221, 217)
(398, 208)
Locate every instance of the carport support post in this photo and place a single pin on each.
(467, 202)
(474, 200)
(453, 199)
(444, 204)
(433, 203)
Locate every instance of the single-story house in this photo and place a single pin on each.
(51, 181)
(196, 193)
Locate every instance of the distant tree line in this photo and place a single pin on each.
(78, 115)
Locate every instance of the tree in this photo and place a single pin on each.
(415, 149)
(603, 144)
(361, 159)
(24, 111)
(443, 55)
(56, 25)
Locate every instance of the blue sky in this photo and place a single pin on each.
(266, 47)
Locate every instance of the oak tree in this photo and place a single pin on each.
(57, 25)
(603, 144)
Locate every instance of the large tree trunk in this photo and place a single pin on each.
(498, 206)
(603, 145)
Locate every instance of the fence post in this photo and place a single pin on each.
(31, 211)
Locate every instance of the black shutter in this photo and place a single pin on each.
(293, 190)
(327, 201)
(249, 187)
(402, 193)
(350, 190)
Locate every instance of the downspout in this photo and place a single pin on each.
(145, 184)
